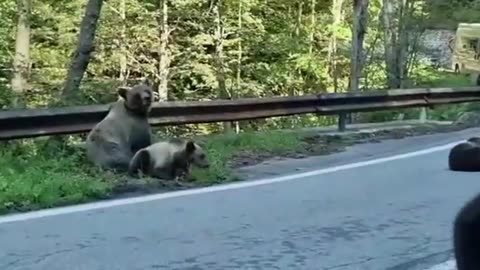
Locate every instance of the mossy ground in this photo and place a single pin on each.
(43, 173)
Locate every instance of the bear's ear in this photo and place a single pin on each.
(122, 91)
(147, 82)
(190, 147)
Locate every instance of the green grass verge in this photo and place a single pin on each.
(228, 150)
(44, 173)
(39, 174)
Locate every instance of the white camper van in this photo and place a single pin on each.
(466, 50)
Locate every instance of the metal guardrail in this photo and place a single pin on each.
(16, 124)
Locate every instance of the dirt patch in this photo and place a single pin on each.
(321, 144)
(247, 158)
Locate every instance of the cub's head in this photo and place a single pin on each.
(138, 98)
(196, 155)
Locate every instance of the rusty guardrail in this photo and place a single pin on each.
(16, 124)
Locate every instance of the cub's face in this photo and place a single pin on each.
(196, 155)
(138, 98)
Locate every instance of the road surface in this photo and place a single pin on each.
(393, 213)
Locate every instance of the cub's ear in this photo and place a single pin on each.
(190, 147)
(145, 160)
(140, 162)
(122, 91)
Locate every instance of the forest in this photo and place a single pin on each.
(61, 53)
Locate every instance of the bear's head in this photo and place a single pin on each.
(138, 99)
(196, 155)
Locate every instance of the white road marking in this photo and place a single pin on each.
(246, 184)
(448, 265)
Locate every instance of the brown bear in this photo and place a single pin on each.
(169, 159)
(466, 235)
(113, 141)
(465, 156)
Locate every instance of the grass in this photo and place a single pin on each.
(41, 173)
(224, 150)
(428, 77)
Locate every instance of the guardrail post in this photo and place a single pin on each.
(423, 115)
(342, 122)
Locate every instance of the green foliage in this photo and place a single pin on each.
(42, 173)
(431, 78)
(428, 77)
(448, 13)
(46, 173)
(274, 35)
(222, 149)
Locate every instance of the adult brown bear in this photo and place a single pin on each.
(113, 141)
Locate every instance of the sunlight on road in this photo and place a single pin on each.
(448, 265)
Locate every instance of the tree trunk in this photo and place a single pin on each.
(359, 29)
(123, 40)
(390, 39)
(332, 48)
(407, 45)
(402, 43)
(396, 17)
(239, 58)
(219, 63)
(312, 26)
(296, 35)
(85, 47)
(21, 62)
(164, 58)
(360, 18)
(298, 25)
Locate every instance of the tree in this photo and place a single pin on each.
(123, 39)
(336, 10)
(21, 62)
(390, 44)
(164, 58)
(217, 9)
(239, 57)
(397, 19)
(82, 55)
(360, 18)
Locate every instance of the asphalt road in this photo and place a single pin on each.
(391, 215)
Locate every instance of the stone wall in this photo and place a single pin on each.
(433, 44)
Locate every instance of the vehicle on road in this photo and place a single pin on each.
(466, 51)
